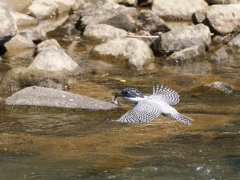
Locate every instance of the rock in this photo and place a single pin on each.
(235, 41)
(23, 19)
(42, 9)
(181, 38)
(127, 2)
(199, 16)
(21, 77)
(211, 2)
(136, 52)
(223, 19)
(19, 47)
(48, 8)
(109, 12)
(149, 21)
(102, 32)
(47, 44)
(8, 27)
(52, 58)
(216, 87)
(219, 54)
(145, 3)
(182, 56)
(48, 97)
(177, 9)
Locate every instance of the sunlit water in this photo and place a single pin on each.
(40, 143)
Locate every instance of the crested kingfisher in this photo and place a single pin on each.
(149, 107)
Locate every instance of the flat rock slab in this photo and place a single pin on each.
(48, 97)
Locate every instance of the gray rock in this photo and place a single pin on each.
(47, 97)
(109, 12)
(23, 19)
(211, 2)
(178, 39)
(182, 56)
(223, 19)
(219, 54)
(47, 44)
(235, 41)
(149, 21)
(199, 16)
(52, 59)
(21, 77)
(136, 52)
(102, 32)
(8, 27)
(218, 87)
(177, 9)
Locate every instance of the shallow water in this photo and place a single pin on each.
(49, 144)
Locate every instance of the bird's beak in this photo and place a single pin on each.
(119, 94)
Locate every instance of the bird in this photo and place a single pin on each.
(149, 107)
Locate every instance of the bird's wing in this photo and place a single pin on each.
(181, 118)
(144, 111)
(168, 95)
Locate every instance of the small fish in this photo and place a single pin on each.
(114, 99)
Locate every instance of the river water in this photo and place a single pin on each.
(52, 144)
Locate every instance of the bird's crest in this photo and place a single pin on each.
(169, 95)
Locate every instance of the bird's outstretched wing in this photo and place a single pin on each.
(164, 93)
(142, 112)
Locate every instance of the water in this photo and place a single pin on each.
(40, 143)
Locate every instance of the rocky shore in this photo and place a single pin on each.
(129, 33)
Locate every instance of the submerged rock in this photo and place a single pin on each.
(21, 77)
(136, 52)
(216, 87)
(48, 97)
(181, 38)
(177, 9)
(8, 27)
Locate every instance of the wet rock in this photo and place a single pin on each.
(220, 54)
(181, 38)
(235, 41)
(43, 9)
(223, 19)
(21, 77)
(50, 43)
(136, 52)
(111, 13)
(48, 97)
(19, 47)
(211, 2)
(149, 21)
(127, 2)
(102, 32)
(8, 27)
(23, 19)
(177, 9)
(54, 59)
(216, 87)
(182, 56)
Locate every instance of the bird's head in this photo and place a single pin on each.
(131, 94)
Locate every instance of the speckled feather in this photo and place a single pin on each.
(151, 107)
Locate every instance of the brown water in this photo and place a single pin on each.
(48, 144)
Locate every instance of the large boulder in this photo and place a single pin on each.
(48, 97)
(8, 27)
(51, 58)
(223, 19)
(149, 21)
(136, 52)
(177, 9)
(181, 38)
(24, 19)
(21, 77)
(111, 13)
(102, 32)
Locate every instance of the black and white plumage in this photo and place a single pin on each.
(149, 107)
